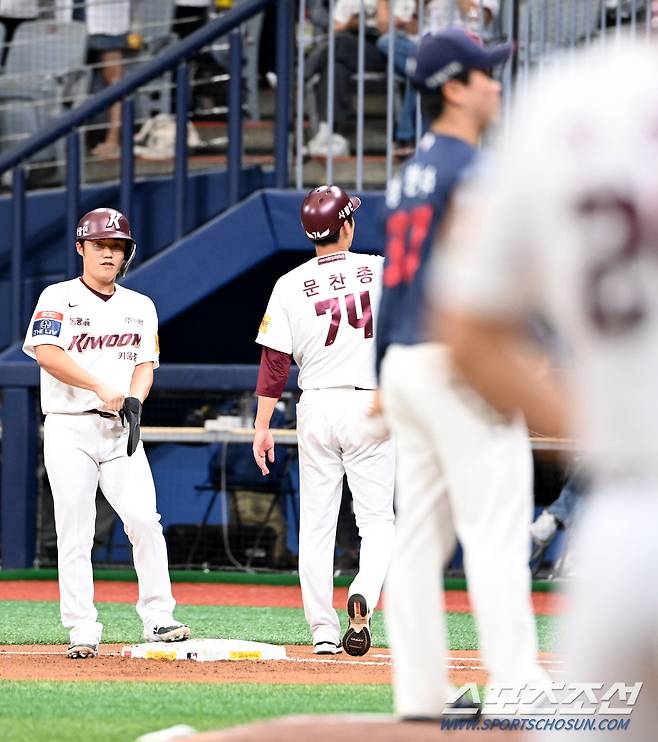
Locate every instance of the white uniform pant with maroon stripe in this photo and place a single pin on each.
(462, 470)
(333, 437)
(81, 452)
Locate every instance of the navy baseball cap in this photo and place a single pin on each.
(449, 52)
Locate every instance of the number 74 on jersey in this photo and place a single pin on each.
(346, 305)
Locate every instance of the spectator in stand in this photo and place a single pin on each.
(346, 26)
(438, 14)
(12, 14)
(108, 24)
(405, 46)
(477, 16)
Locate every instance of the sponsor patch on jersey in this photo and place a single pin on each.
(265, 324)
(58, 316)
(47, 323)
(331, 258)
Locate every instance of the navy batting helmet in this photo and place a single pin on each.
(108, 224)
(325, 209)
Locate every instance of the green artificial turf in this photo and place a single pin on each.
(117, 712)
(38, 622)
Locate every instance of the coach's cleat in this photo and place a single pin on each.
(176, 632)
(82, 651)
(357, 640)
(327, 648)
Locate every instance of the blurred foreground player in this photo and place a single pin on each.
(323, 314)
(97, 345)
(462, 469)
(568, 227)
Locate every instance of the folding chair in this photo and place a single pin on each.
(232, 470)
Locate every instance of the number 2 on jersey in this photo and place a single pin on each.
(333, 305)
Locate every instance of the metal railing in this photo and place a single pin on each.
(540, 31)
(173, 58)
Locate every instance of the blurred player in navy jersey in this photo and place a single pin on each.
(463, 470)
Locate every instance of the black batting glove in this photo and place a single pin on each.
(131, 415)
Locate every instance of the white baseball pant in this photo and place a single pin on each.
(464, 472)
(81, 452)
(333, 438)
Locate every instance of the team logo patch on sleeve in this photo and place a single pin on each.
(265, 324)
(47, 323)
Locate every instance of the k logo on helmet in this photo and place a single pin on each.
(113, 221)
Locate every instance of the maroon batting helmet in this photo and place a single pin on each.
(107, 224)
(325, 209)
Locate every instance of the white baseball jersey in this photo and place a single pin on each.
(324, 313)
(566, 222)
(106, 338)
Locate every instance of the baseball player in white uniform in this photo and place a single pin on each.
(567, 227)
(323, 315)
(97, 345)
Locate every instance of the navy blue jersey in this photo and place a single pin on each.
(416, 203)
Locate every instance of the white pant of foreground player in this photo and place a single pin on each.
(461, 471)
(81, 452)
(333, 440)
(612, 627)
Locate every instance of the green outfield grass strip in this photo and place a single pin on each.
(116, 712)
(233, 578)
(37, 622)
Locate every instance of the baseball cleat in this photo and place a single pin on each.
(177, 632)
(82, 651)
(357, 639)
(327, 648)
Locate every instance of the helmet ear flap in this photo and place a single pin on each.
(128, 259)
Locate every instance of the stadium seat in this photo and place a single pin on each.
(44, 73)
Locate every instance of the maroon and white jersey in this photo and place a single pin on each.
(324, 313)
(106, 338)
